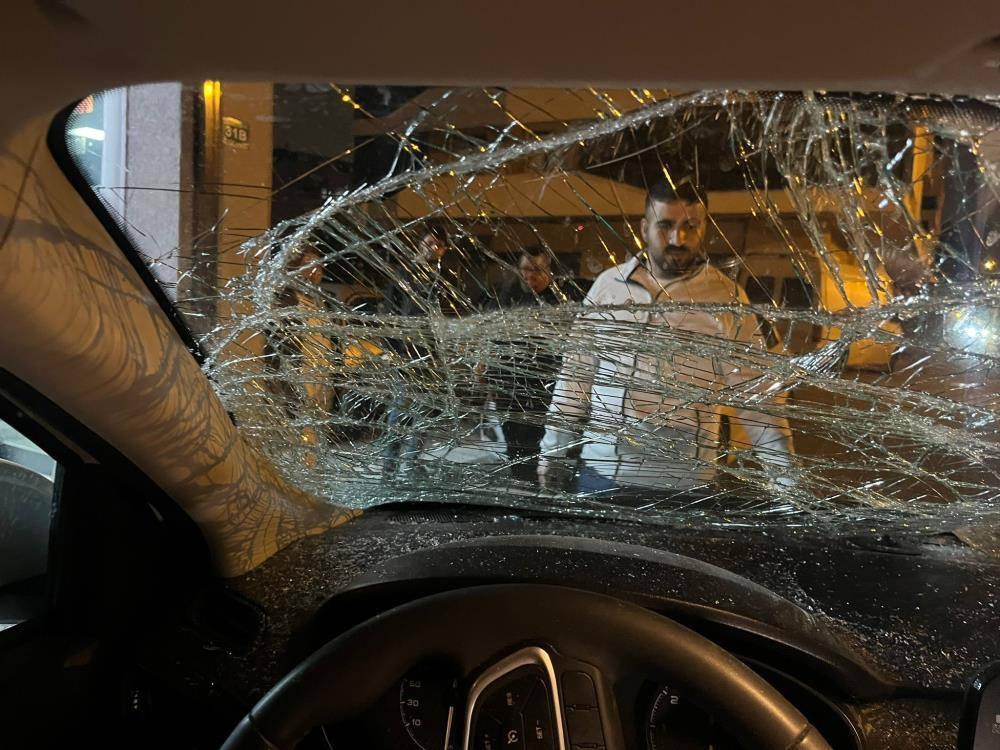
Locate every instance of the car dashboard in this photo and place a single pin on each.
(870, 637)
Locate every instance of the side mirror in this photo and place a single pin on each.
(979, 728)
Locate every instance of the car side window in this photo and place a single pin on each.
(27, 490)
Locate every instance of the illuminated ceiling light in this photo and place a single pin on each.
(91, 134)
(990, 264)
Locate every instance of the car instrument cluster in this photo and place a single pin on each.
(520, 704)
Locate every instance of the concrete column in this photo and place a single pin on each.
(146, 172)
(246, 161)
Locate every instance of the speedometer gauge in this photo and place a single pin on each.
(677, 724)
(427, 709)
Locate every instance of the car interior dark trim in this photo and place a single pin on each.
(87, 466)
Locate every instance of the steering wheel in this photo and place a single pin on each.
(576, 644)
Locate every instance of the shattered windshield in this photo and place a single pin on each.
(715, 307)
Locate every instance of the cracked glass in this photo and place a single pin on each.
(717, 307)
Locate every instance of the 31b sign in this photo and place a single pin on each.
(235, 132)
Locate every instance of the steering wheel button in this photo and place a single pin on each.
(515, 693)
(506, 698)
(578, 690)
(584, 726)
(487, 734)
(538, 728)
(512, 735)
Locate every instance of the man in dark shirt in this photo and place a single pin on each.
(523, 375)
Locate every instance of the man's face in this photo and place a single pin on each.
(673, 233)
(535, 273)
(431, 248)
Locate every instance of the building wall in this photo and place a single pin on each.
(244, 174)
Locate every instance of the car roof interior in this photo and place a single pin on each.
(854, 46)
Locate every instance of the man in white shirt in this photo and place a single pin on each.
(641, 395)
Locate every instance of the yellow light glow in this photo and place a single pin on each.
(211, 90)
(990, 264)
(212, 102)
